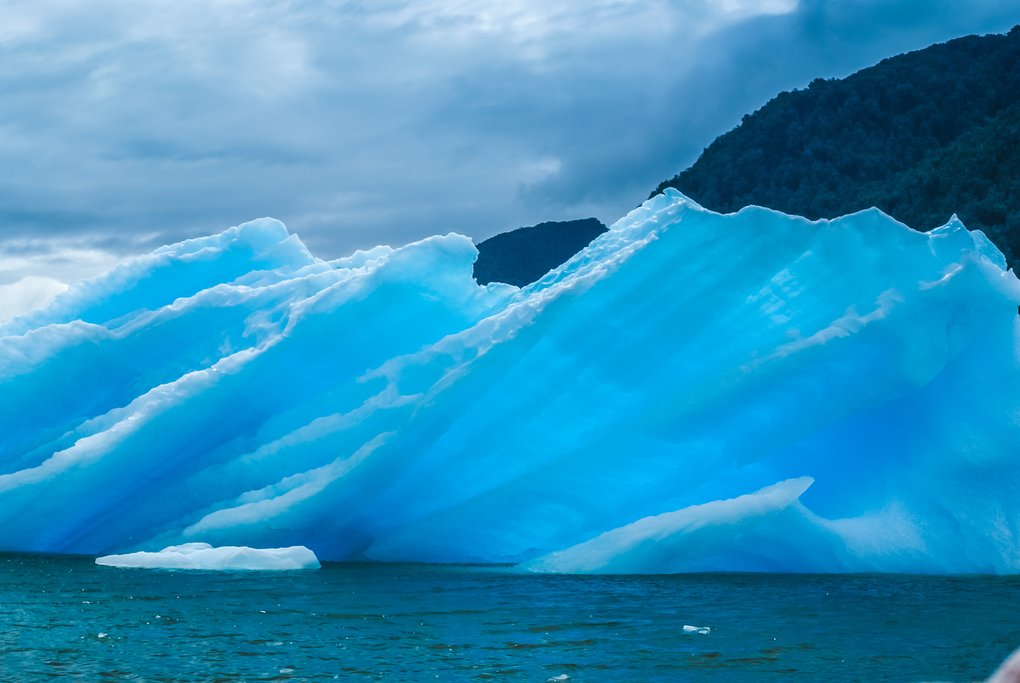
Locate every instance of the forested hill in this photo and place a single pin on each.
(521, 256)
(921, 136)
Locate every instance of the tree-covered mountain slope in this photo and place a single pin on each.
(921, 136)
(522, 256)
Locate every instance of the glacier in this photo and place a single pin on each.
(692, 392)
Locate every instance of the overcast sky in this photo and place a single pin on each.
(128, 124)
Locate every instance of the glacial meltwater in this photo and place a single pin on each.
(67, 619)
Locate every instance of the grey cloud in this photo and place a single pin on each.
(359, 123)
(742, 66)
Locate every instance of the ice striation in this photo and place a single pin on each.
(692, 392)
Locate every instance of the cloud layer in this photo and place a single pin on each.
(130, 124)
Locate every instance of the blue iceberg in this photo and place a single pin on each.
(692, 392)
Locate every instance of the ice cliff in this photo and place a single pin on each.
(693, 391)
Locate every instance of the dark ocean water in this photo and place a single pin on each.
(66, 619)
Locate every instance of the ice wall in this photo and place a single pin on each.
(693, 391)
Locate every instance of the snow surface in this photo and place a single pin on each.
(204, 556)
(693, 391)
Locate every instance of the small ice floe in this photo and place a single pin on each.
(702, 630)
(205, 556)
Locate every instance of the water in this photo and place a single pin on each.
(66, 619)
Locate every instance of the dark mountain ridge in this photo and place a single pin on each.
(921, 136)
(522, 256)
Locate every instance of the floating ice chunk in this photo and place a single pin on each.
(204, 556)
(701, 630)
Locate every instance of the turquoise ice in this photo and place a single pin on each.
(693, 391)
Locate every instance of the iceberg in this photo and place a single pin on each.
(204, 556)
(691, 392)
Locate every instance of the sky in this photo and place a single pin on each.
(125, 125)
